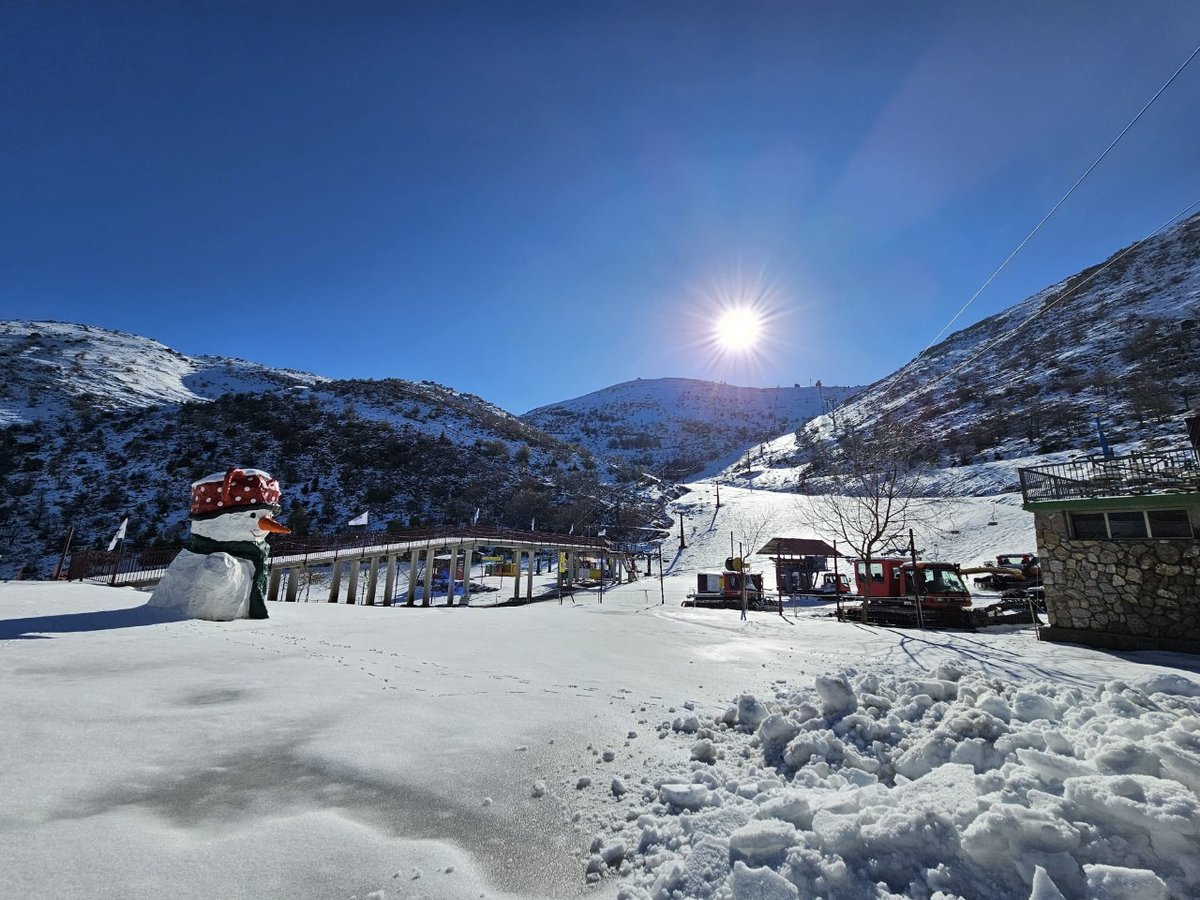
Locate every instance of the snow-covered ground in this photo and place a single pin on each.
(338, 751)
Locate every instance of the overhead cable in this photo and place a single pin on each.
(1066, 295)
(1064, 197)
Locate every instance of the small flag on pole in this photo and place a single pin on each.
(532, 523)
(119, 536)
(475, 520)
(360, 520)
(572, 531)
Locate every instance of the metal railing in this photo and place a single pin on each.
(288, 545)
(131, 566)
(1102, 476)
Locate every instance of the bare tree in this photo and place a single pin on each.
(873, 497)
(750, 527)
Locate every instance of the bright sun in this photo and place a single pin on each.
(738, 330)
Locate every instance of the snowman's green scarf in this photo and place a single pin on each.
(252, 552)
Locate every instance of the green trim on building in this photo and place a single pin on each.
(1104, 504)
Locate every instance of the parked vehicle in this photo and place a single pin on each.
(899, 592)
(832, 584)
(899, 582)
(1012, 570)
(724, 589)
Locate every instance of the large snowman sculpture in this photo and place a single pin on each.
(222, 573)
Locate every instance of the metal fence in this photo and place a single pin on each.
(289, 545)
(128, 566)
(1102, 476)
(131, 566)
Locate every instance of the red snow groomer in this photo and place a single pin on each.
(898, 591)
(724, 590)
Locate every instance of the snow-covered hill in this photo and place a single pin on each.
(97, 426)
(680, 427)
(51, 367)
(1118, 344)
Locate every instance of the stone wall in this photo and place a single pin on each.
(1100, 591)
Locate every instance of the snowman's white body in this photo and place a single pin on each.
(213, 586)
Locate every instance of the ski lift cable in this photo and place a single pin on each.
(1063, 199)
(1066, 295)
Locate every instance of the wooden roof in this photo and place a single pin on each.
(780, 546)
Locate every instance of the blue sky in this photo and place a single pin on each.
(530, 201)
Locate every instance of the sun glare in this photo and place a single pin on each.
(736, 324)
(738, 329)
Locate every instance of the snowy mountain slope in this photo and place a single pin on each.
(407, 453)
(50, 367)
(99, 426)
(681, 426)
(1118, 342)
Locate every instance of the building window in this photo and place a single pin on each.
(1127, 525)
(1169, 523)
(1159, 523)
(1088, 526)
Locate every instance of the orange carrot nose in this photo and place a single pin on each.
(266, 523)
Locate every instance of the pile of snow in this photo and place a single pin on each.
(947, 786)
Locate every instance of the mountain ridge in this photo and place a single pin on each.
(681, 427)
(1115, 347)
(96, 425)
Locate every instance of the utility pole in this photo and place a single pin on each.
(718, 495)
(837, 582)
(662, 593)
(912, 549)
(63, 557)
(742, 571)
(682, 542)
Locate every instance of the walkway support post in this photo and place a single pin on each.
(529, 577)
(372, 581)
(412, 577)
(335, 581)
(352, 581)
(516, 574)
(468, 552)
(293, 584)
(451, 566)
(427, 585)
(389, 581)
(273, 584)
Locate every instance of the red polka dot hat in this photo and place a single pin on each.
(236, 489)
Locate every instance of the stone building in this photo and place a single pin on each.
(1119, 554)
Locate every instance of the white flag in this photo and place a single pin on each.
(475, 521)
(119, 536)
(532, 522)
(359, 520)
(602, 532)
(572, 531)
